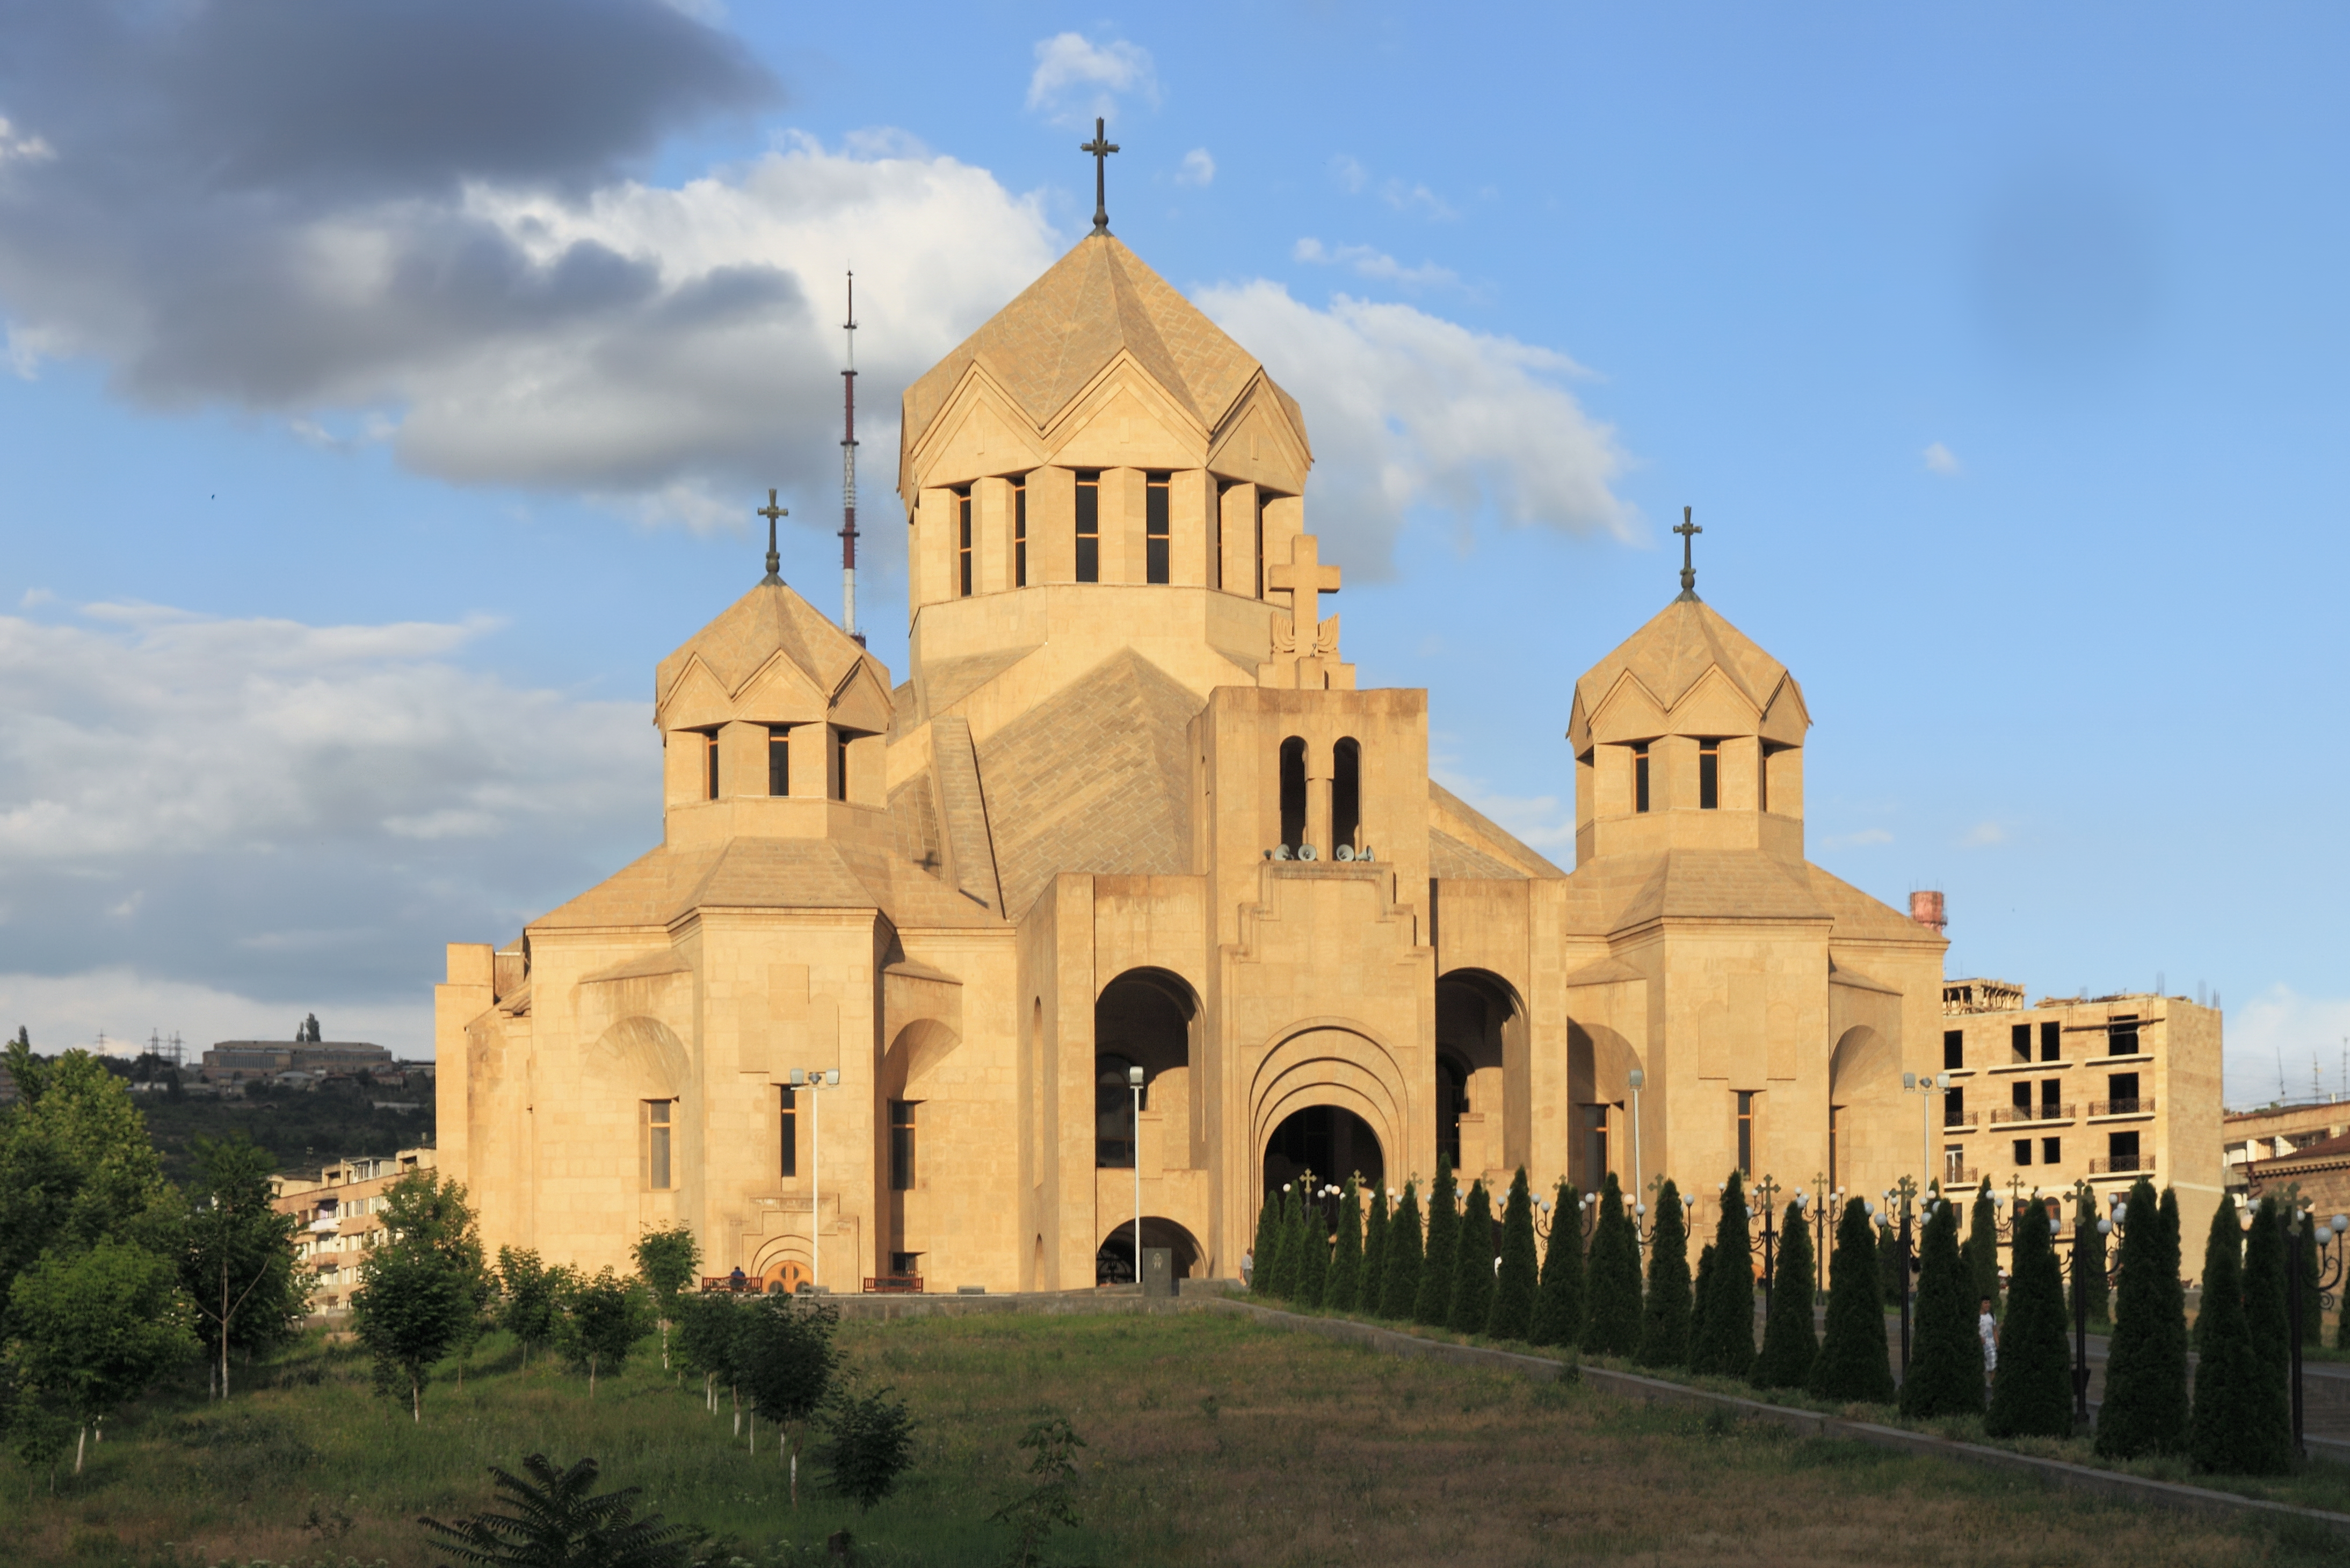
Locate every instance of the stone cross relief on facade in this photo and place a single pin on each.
(1309, 662)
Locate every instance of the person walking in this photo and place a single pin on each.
(1248, 1268)
(1988, 1327)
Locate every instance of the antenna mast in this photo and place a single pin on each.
(848, 472)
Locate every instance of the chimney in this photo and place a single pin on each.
(1925, 908)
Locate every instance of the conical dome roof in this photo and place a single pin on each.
(1671, 655)
(1097, 300)
(771, 619)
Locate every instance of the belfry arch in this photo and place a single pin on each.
(1143, 1018)
(1482, 1102)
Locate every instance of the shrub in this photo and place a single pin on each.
(1433, 1309)
(868, 1443)
(1347, 1259)
(2145, 1407)
(1268, 1236)
(1612, 1324)
(603, 1318)
(1701, 1298)
(2032, 1392)
(2231, 1427)
(1789, 1342)
(1722, 1337)
(1558, 1308)
(1665, 1314)
(1946, 1360)
(1515, 1287)
(1312, 1270)
(1853, 1362)
(1472, 1267)
(556, 1523)
(1280, 1283)
(1050, 1502)
(1373, 1282)
(1399, 1286)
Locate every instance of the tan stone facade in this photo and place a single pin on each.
(1130, 811)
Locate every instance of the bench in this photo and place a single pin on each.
(894, 1285)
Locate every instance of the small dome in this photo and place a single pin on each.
(1667, 659)
(745, 640)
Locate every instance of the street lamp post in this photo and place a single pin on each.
(2084, 1201)
(1766, 1193)
(1925, 1088)
(1819, 1213)
(814, 1078)
(1636, 1078)
(2329, 1273)
(1134, 1081)
(1906, 1191)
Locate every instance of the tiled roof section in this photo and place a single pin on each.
(1719, 885)
(1859, 916)
(950, 680)
(1470, 825)
(1449, 857)
(914, 816)
(1097, 779)
(2331, 1151)
(764, 874)
(1094, 302)
(1669, 654)
(963, 808)
(752, 629)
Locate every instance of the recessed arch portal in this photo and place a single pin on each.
(1114, 1260)
(1143, 1019)
(1330, 1141)
(1482, 1072)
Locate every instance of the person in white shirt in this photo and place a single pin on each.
(1248, 1268)
(1987, 1326)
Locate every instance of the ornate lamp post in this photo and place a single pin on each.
(1766, 1193)
(1906, 1192)
(815, 1078)
(2084, 1196)
(2327, 1245)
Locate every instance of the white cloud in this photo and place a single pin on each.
(290, 812)
(35, 598)
(19, 149)
(1409, 411)
(1416, 198)
(1370, 262)
(1984, 835)
(1069, 66)
(2281, 1036)
(1941, 460)
(1349, 173)
(1199, 167)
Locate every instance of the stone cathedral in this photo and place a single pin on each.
(874, 1005)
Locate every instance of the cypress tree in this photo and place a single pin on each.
(1946, 1363)
(2031, 1393)
(1282, 1279)
(2089, 1255)
(2313, 1305)
(1789, 1344)
(1558, 1310)
(1375, 1256)
(2232, 1428)
(1665, 1315)
(1853, 1362)
(1892, 1282)
(1982, 1246)
(2145, 1407)
(1268, 1237)
(1701, 1306)
(1723, 1340)
(1346, 1260)
(2269, 1333)
(1313, 1267)
(1515, 1286)
(1434, 1307)
(1611, 1325)
(1473, 1268)
(1400, 1281)
(2174, 1306)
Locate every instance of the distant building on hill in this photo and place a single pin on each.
(233, 1061)
(340, 1219)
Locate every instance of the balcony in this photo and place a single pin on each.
(2141, 1107)
(2121, 1164)
(1955, 1176)
(1958, 1119)
(2032, 1114)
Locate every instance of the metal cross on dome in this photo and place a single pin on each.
(1689, 571)
(775, 562)
(1101, 147)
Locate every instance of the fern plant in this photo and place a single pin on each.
(559, 1521)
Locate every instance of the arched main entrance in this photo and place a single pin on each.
(1330, 1141)
(1114, 1260)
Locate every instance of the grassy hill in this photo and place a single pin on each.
(303, 1128)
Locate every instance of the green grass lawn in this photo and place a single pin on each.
(1211, 1441)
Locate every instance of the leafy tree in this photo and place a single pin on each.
(1613, 1324)
(2266, 1329)
(236, 1260)
(1789, 1344)
(1400, 1278)
(1558, 1304)
(711, 1341)
(1723, 1336)
(1982, 1247)
(76, 1163)
(2232, 1427)
(1048, 1503)
(1665, 1315)
(558, 1522)
(789, 1364)
(1946, 1360)
(2144, 1409)
(1473, 1265)
(1268, 1236)
(1346, 1260)
(1516, 1287)
(423, 1287)
(530, 1298)
(2089, 1256)
(868, 1443)
(1853, 1362)
(1313, 1267)
(603, 1318)
(1433, 1309)
(666, 1261)
(93, 1328)
(2032, 1394)
(1373, 1282)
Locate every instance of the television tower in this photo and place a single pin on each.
(848, 472)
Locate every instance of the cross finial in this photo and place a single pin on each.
(1689, 571)
(1101, 147)
(775, 562)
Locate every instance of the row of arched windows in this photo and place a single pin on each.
(1346, 785)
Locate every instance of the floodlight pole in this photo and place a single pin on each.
(1134, 1079)
(813, 1079)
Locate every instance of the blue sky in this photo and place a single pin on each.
(386, 388)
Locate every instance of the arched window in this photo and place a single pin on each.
(1292, 792)
(1346, 797)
